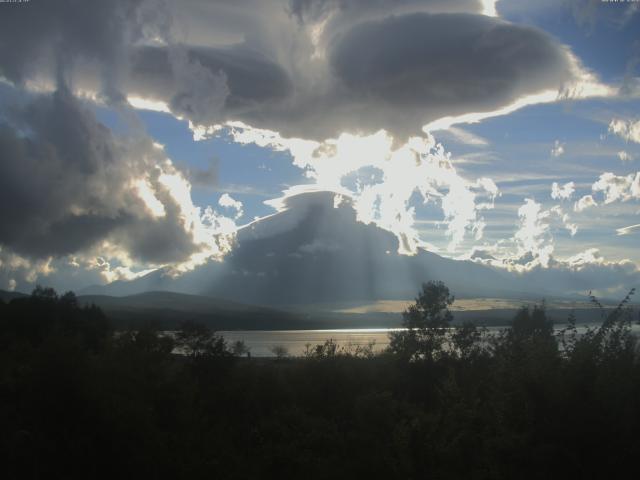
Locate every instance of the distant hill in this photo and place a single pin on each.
(7, 296)
(167, 309)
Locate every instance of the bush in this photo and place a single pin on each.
(75, 402)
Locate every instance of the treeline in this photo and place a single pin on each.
(78, 399)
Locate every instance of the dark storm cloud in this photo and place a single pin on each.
(311, 69)
(396, 73)
(239, 79)
(407, 59)
(48, 37)
(314, 10)
(429, 66)
(65, 184)
(44, 169)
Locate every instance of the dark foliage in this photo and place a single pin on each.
(78, 400)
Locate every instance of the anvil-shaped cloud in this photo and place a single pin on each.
(312, 69)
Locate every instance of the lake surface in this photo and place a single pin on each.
(261, 342)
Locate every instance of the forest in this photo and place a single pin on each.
(80, 399)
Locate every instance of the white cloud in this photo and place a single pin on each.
(468, 138)
(110, 269)
(531, 236)
(585, 202)
(532, 244)
(628, 230)
(614, 188)
(489, 8)
(629, 130)
(562, 193)
(420, 167)
(558, 149)
(565, 219)
(146, 194)
(625, 156)
(618, 188)
(15, 268)
(227, 201)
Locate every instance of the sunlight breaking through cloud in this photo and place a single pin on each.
(420, 168)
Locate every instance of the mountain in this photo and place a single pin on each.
(167, 309)
(6, 296)
(315, 252)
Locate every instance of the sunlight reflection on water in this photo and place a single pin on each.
(261, 342)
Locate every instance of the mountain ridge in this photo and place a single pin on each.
(315, 252)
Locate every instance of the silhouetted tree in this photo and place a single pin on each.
(425, 324)
(196, 340)
(280, 351)
(239, 348)
(468, 341)
(521, 409)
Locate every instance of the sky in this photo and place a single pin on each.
(142, 134)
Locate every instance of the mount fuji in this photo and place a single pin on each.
(314, 252)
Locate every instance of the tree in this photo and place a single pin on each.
(531, 335)
(197, 340)
(425, 323)
(239, 348)
(467, 340)
(280, 351)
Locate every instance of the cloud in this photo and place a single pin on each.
(69, 186)
(565, 219)
(348, 11)
(562, 193)
(584, 272)
(529, 258)
(387, 182)
(42, 41)
(315, 250)
(532, 244)
(625, 156)
(628, 230)
(466, 137)
(587, 201)
(345, 86)
(617, 187)
(558, 149)
(406, 61)
(307, 69)
(227, 201)
(628, 130)
(614, 188)
(530, 236)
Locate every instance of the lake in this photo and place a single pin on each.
(261, 342)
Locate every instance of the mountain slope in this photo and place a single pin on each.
(7, 296)
(168, 309)
(314, 252)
